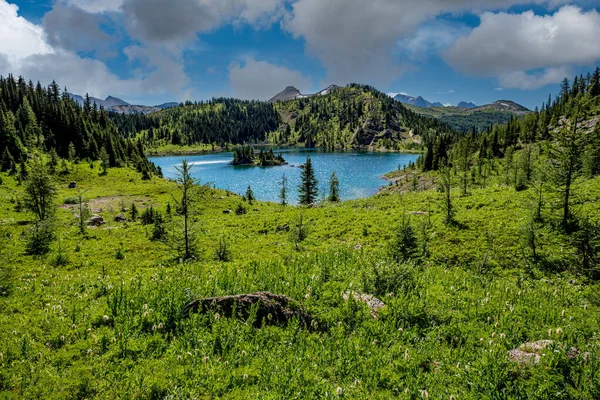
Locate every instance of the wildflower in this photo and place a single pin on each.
(481, 339)
(452, 397)
(563, 313)
(189, 354)
(160, 326)
(493, 334)
(89, 352)
(550, 331)
(244, 353)
(205, 359)
(356, 382)
(179, 358)
(106, 318)
(114, 340)
(245, 376)
(62, 338)
(502, 336)
(424, 394)
(339, 391)
(217, 316)
(131, 302)
(558, 332)
(406, 356)
(458, 365)
(400, 330)
(145, 306)
(73, 326)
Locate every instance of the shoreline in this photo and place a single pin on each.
(191, 151)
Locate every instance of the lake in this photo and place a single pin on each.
(359, 172)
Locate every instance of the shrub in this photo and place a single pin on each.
(40, 238)
(404, 245)
(72, 200)
(223, 253)
(241, 210)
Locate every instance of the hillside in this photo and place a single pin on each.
(465, 118)
(355, 116)
(291, 93)
(116, 105)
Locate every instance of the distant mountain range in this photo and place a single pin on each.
(415, 101)
(468, 105)
(121, 106)
(291, 93)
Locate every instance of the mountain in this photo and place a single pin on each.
(504, 106)
(467, 116)
(416, 101)
(115, 104)
(164, 106)
(355, 116)
(468, 105)
(292, 93)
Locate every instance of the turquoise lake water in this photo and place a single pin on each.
(359, 172)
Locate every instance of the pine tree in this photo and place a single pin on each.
(39, 191)
(249, 195)
(283, 191)
(594, 85)
(133, 212)
(188, 189)
(308, 189)
(334, 188)
(104, 160)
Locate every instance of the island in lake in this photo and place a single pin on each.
(245, 155)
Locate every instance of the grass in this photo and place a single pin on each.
(106, 321)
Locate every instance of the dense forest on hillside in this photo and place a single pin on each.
(355, 116)
(479, 121)
(352, 117)
(219, 121)
(579, 100)
(35, 117)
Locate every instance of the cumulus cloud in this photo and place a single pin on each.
(96, 6)
(355, 39)
(261, 80)
(509, 46)
(73, 28)
(29, 53)
(181, 20)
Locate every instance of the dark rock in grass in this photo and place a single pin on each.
(271, 309)
(283, 228)
(96, 220)
(120, 218)
(72, 185)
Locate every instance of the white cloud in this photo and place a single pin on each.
(262, 80)
(355, 39)
(29, 54)
(20, 38)
(531, 81)
(432, 38)
(510, 46)
(96, 6)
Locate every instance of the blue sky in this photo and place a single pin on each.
(154, 51)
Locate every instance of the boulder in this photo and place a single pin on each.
(373, 302)
(531, 352)
(120, 218)
(95, 220)
(72, 185)
(271, 309)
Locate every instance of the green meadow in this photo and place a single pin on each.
(101, 315)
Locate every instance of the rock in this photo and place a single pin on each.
(283, 228)
(272, 309)
(373, 302)
(529, 353)
(120, 218)
(95, 220)
(72, 185)
(227, 211)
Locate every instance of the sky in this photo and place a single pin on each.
(155, 51)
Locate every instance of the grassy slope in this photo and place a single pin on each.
(442, 330)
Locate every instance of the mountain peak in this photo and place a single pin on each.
(292, 93)
(464, 104)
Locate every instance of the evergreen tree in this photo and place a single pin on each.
(447, 206)
(283, 191)
(39, 191)
(308, 189)
(594, 85)
(133, 212)
(189, 194)
(404, 245)
(334, 188)
(249, 195)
